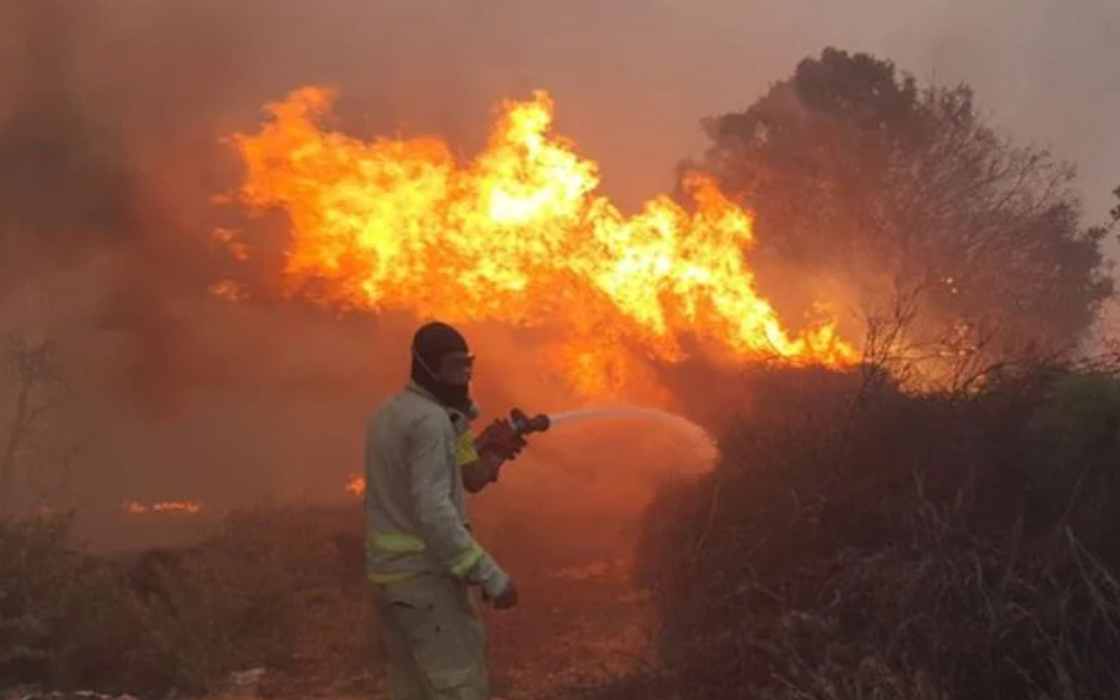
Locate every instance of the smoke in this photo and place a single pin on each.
(110, 153)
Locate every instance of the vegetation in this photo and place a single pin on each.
(34, 467)
(270, 590)
(926, 547)
(901, 200)
(898, 546)
(954, 540)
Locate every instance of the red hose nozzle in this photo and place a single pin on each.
(523, 424)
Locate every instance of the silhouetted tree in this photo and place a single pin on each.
(33, 463)
(902, 192)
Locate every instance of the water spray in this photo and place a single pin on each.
(522, 424)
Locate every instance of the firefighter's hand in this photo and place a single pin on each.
(513, 443)
(518, 445)
(500, 438)
(482, 472)
(507, 599)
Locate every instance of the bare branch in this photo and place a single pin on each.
(37, 391)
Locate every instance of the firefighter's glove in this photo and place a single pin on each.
(501, 440)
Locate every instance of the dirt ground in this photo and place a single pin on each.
(574, 627)
(592, 625)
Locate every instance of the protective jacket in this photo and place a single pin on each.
(416, 514)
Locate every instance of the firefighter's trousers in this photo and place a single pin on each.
(434, 639)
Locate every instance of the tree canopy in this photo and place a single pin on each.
(909, 198)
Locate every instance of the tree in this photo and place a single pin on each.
(34, 390)
(905, 193)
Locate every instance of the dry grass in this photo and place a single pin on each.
(271, 590)
(283, 590)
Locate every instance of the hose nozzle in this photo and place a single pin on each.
(523, 424)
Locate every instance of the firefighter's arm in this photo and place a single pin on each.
(481, 458)
(448, 540)
(476, 472)
(479, 474)
(479, 468)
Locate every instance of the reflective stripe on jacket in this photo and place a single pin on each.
(465, 451)
(416, 514)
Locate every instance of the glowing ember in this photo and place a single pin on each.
(356, 485)
(517, 235)
(138, 508)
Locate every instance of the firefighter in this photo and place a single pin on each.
(421, 557)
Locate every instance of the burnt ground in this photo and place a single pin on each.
(575, 627)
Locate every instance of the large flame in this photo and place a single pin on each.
(517, 235)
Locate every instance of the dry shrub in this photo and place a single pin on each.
(62, 614)
(270, 590)
(867, 544)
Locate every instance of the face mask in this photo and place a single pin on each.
(449, 394)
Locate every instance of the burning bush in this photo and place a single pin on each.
(901, 546)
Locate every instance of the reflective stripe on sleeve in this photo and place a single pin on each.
(467, 561)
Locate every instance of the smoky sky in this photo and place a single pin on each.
(149, 87)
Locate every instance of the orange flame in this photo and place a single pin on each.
(517, 235)
(138, 508)
(356, 485)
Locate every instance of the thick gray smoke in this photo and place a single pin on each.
(112, 111)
